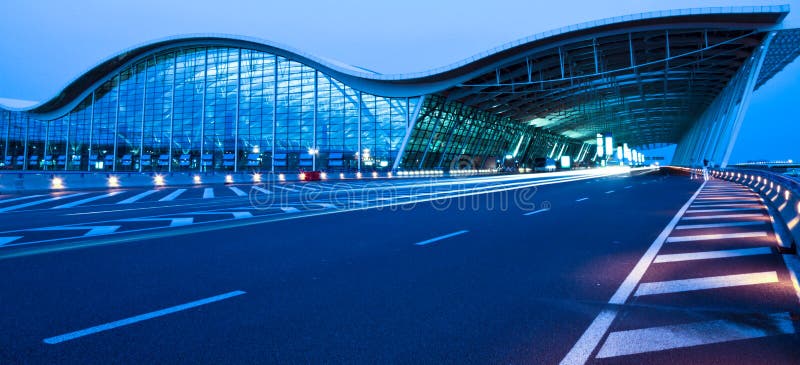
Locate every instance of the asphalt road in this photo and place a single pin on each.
(510, 270)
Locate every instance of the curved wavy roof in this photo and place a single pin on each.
(431, 81)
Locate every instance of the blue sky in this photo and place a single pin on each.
(45, 44)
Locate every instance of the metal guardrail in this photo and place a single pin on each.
(781, 192)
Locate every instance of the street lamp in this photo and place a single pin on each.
(313, 152)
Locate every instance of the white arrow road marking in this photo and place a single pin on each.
(93, 230)
(7, 239)
(25, 205)
(174, 222)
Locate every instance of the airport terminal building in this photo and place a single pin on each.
(231, 103)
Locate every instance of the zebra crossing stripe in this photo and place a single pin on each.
(712, 282)
(694, 334)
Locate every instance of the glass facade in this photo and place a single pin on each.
(213, 109)
(450, 135)
(236, 109)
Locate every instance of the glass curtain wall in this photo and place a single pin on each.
(214, 109)
(449, 135)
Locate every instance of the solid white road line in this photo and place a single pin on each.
(29, 204)
(137, 197)
(435, 239)
(172, 195)
(87, 200)
(208, 193)
(581, 199)
(720, 225)
(139, 318)
(173, 222)
(237, 191)
(91, 230)
(537, 211)
(711, 282)
(725, 216)
(236, 214)
(586, 344)
(694, 334)
(717, 236)
(21, 198)
(712, 254)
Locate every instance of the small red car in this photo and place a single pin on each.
(310, 175)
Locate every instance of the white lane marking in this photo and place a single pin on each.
(716, 236)
(326, 205)
(208, 193)
(92, 230)
(142, 317)
(29, 204)
(20, 198)
(290, 209)
(581, 199)
(172, 195)
(720, 225)
(258, 188)
(8, 239)
(722, 210)
(236, 214)
(629, 186)
(609, 192)
(694, 334)
(725, 216)
(237, 191)
(537, 211)
(137, 197)
(711, 282)
(727, 199)
(87, 200)
(287, 189)
(173, 222)
(719, 205)
(689, 256)
(435, 239)
(586, 344)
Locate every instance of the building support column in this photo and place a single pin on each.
(116, 124)
(745, 103)
(274, 112)
(91, 135)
